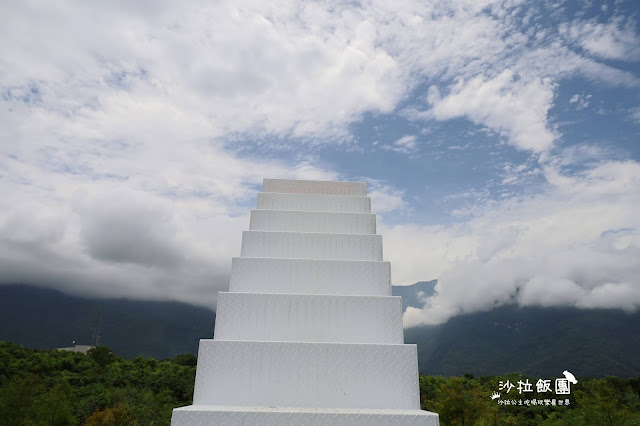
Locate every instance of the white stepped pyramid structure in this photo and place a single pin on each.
(308, 333)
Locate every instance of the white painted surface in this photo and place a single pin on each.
(326, 222)
(319, 375)
(310, 276)
(314, 203)
(309, 245)
(309, 318)
(194, 415)
(289, 186)
(308, 334)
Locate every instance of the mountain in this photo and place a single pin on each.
(45, 319)
(530, 340)
(540, 342)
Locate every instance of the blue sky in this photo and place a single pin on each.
(499, 140)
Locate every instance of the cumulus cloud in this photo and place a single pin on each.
(245, 65)
(123, 127)
(575, 243)
(512, 106)
(131, 227)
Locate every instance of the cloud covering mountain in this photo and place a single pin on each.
(134, 136)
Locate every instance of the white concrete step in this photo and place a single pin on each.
(309, 276)
(314, 203)
(289, 186)
(193, 415)
(299, 221)
(309, 318)
(318, 375)
(310, 245)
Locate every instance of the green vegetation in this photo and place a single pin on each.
(467, 401)
(49, 387)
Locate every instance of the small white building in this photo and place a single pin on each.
(78, 348)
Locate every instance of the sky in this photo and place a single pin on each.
(499, 141)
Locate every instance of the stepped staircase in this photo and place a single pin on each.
(308, 333)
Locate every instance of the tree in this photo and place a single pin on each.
(112, 416)
(17, 397)
(460, 402)
(103, 355)
(189, 360)
(54, 408)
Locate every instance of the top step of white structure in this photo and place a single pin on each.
(289, 186)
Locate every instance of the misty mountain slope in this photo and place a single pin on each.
(535, 341)
(46, 319)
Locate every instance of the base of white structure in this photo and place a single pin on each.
(247, 415)
(297, 374)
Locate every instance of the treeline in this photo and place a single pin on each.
(49, 387)
(467, 400)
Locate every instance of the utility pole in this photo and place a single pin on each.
(98, 321)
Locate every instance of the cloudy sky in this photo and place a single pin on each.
(499, 140)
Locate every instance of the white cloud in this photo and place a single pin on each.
(516, 108)
(242, 65)
(118, 238)
(405, 145)
(580, 100)
(385, 198)
(575, 243)
(615, 39)
(116, 170)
